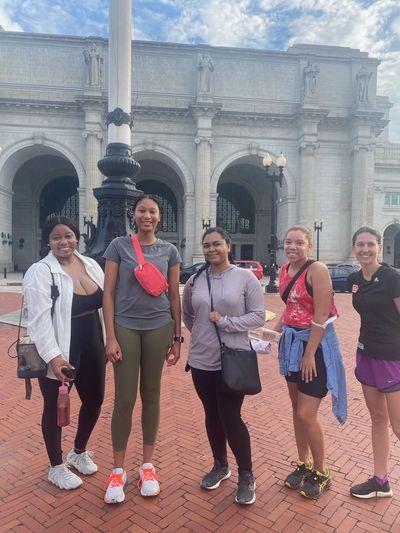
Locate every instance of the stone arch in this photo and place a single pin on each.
(254, 159)
(170, 158)
(391, 243)
(27, 166)
(17, 154)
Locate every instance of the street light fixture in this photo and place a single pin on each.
(206, 223)
(272, 286)
(318, 228)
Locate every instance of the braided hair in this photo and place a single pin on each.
(228, 241)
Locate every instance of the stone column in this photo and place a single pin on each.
(360, 214)
(306, 205)
(204, 115)
(189, 225)
(93, 176)
(6, 229)
(202, 191)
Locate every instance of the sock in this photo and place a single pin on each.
(382, 480)
(78, 451)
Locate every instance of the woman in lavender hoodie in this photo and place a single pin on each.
(238, 301)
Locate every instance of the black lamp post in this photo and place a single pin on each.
(206, 223)
(318, 229)
(272, 286)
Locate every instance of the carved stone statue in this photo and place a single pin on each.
(362, 81)
(310, 73)
(205, 68)
(94, 61)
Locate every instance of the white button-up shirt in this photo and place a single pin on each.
(52, 337)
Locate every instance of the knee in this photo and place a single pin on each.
(124, 406)
(380, 419)
(306, 416)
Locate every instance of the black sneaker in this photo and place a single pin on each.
(246, 491)
(213, 479)
(296, 478)
(371, 489)
(315, 484)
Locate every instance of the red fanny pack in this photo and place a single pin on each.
(147, 275)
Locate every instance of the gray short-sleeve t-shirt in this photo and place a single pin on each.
(134, 307)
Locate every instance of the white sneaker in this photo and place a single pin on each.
(148, 482)
(82, 462)
(63, 478)
(115, 486)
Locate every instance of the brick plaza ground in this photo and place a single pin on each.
(29, 503)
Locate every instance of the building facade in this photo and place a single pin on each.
(204, 117)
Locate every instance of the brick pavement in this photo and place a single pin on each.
(30, 504)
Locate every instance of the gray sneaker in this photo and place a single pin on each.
(213, 479)
(246, 491)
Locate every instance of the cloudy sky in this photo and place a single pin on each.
(373, 26)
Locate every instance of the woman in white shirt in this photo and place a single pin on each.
(69, 339)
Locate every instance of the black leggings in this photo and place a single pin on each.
(87, 355)
(223, 418)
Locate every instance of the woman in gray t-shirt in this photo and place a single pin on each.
(142, 332)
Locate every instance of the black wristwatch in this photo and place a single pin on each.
(179, 339)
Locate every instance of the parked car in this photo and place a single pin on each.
(189, 271)
(254, 266)
(351, 267)
(339, 275)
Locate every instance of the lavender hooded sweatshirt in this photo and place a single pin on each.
(238, 297)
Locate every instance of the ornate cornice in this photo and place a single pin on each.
(209, 110)
(256, 118)
(16, 104)
(160, 112)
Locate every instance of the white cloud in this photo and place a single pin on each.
(5, 20)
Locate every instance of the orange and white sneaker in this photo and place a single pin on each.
(148, 482)
(115, 486)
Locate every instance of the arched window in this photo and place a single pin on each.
(167, 200)
(235, 209)
(60, 197)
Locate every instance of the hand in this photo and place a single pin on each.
(57, 364)
(308, 368)
(214, 316)
(174, 354)
(113, 351)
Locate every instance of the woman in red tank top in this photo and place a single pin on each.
(309, 306)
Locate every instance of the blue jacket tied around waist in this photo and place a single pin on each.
(291, 351)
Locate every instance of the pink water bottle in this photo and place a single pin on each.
(63, 405)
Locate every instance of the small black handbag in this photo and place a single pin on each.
(29, 363)
(240, 373)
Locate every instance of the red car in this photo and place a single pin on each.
(254, 266)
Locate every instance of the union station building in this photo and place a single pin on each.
(204, 118)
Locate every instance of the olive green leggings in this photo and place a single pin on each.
(143, 353)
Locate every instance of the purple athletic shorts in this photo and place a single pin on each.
(382, 374)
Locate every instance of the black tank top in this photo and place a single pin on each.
(86, 302)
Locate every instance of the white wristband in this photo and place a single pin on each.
(323, 326)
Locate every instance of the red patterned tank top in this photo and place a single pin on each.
(299, 309)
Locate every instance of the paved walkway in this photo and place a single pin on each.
(30, 504)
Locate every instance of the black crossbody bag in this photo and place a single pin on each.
(289, 286)
(30, 364)
(240, 373)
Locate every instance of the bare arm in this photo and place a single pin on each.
(321, 284)
(187, 309)
(175, 303)
(279, 324)
(113, 350)
(397, 304)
